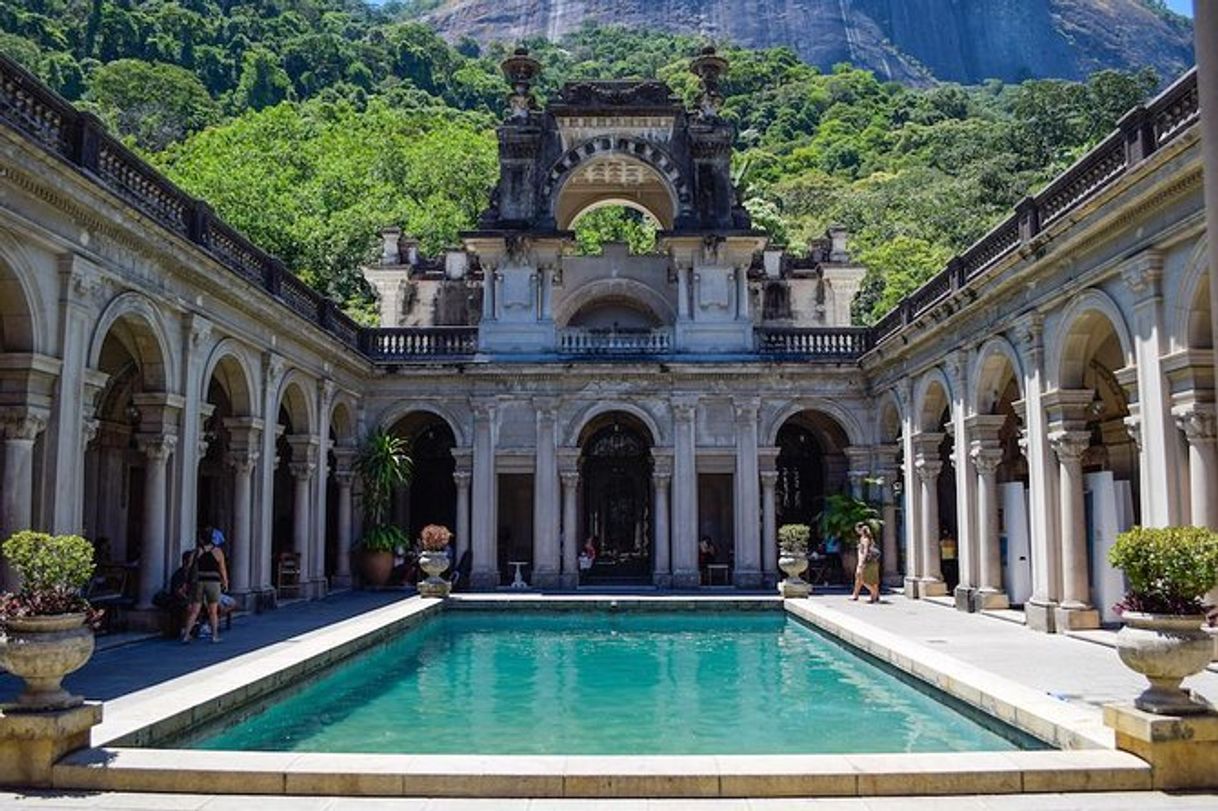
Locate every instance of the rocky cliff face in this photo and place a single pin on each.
(908, 40)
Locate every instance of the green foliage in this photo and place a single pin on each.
(1169, 569)
(49, 563)
(383, 465)
(384, 538)
(155, 104)
(793, 538)
(615, 224)
(843, 513)
(342, 118)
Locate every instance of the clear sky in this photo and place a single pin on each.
(1184, 7)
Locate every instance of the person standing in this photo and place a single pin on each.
(867, 571)
(208, 575)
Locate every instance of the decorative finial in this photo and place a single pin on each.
(521, 70)
(709, 67)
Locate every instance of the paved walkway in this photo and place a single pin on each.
(120, 670)
(1130, 801)
(1071, 669)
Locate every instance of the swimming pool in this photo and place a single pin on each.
(604, 683)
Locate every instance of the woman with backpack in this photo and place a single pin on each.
(206, 577)
(867, 572)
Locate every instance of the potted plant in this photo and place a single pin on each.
(383, 465)
(434, 539)
(1168, 570)
(47, 624)
(793, 559)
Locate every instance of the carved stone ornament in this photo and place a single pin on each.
(1198, 425)
(709, 67)
(1070, 445)
(521, 70)
(616, 94)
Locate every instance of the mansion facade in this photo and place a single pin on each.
(1052, 386)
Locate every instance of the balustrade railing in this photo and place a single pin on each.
(814, 343)
(584, 341)
(414, 344)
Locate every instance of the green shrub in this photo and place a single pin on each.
(793, 538)
(384, 538)
(50, 562)
(1169, 570)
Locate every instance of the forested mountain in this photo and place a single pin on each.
(309, 124)
(906, 40)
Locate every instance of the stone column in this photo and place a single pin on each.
(546, 563)
(1075, 610)
(19, 428)
(244, 450)
(986, 453)
(1160, 507)
(684, 495)
(742, 294)
(661, 479)
(485, 559)
(264, 496)
(1205, 31)
(956, 367)
(683, 293)
(570, 530)
(747, 574)
(461, 479)
(928, 465)
(1197, 421)
(858, 461)
(769, 526)
(1042, 470)
(912, 490)
(157, 449)
(303, 466)
(344, 477)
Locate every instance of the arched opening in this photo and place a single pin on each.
(1092, 356)
(341, 456)
(19, 506)
(891, 432)
(811, 464)
(129, 456)
(998, 404)
(615, 221)
(296, 450)
(615, 179)
(431, 496)
(617, 539)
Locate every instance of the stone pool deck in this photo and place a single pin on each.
(155, 687)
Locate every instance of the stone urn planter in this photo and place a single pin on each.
(434, 563)
(793, 565)
(41, 651)
(1166, 649)
(376, 567)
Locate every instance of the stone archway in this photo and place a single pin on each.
(616, 494)
(617, 169)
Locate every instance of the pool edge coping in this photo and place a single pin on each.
(1082, 764)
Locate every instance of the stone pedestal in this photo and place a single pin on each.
(964, 597)
(31, 743)
(1040, 616)
(1182, 751)
(1070, 618)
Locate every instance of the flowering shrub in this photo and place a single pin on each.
(793, 538)
(435, 537)
(53, 572)
(1169, 569)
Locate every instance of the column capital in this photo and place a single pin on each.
(986, 456)
(302, 471)
(483, 408)
(156, 447)
(661, 480)
(570, 478)
(984, 426)
(305, 450)
(242, 459)
(1029, 333)
(1067, 408)
(1133, 427)
(1069, 445)
(273, 369)
(198, 331)
(546, 407)
(928, 469)
(1198, 422)
(746, 408)
(462, 478)
(21, 423)
(344, 459)
(684, 406)
(769, 478)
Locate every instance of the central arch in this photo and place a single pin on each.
(616, 170)
(616, 544)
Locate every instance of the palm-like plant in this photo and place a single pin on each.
(842, 513)
(383, 464)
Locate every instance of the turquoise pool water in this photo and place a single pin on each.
(531, 682)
